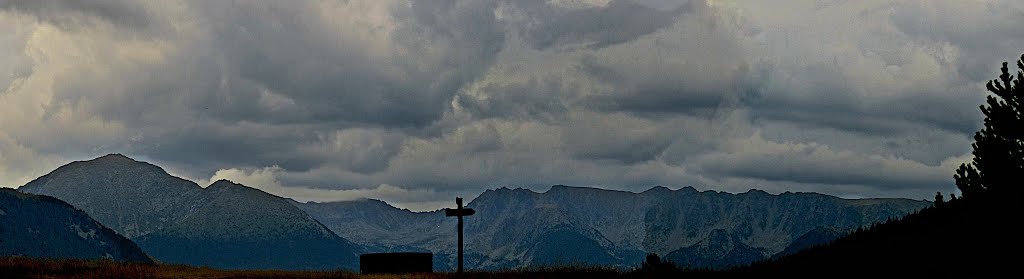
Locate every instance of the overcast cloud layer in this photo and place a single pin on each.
(414, 102)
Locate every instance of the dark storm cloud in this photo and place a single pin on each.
(264, 65)
(259, 53)
(839, 92)
(596, 27)
(820, 165)
(879, 116)
(212, 146)
(670, 94)
(277, 47)
(429, 98)
(985, 39)
(64, 13)
(528, 99)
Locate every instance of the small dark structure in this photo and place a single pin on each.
(396, 263)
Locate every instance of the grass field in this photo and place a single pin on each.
(17, 267)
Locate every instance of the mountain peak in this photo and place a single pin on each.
(113, 157)
(504, 190)
(228, 185)
(555, 189)
(560, 187)
(757, 192)
(110, 159)
(116, 160)
(665, 190)
(223, 183)
(657, 190)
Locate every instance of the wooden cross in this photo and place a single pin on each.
(459, 212)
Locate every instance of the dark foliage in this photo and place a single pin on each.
(974, 236)
(653, 263)
(999, 146)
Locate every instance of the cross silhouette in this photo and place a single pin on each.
(459, 212)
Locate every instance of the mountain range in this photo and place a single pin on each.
(228, 225)
(566, 225)
(224, 225)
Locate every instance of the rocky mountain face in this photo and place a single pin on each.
(225, 225)
(379, 226)
(565, 225)
(720, 249)
(45, 227)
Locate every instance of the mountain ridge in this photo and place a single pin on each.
(625, 225)
(224, 225)
(178, 221)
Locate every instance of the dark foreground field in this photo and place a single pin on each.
(17, 267)
(32, 268)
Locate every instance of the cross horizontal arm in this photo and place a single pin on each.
(459, 212)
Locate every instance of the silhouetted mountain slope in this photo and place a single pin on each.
(225, 225)
(974, 237)
(623, 225)
(45, 227)
(816, 237)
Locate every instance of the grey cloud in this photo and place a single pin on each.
(456, 96)
(66, 14)
(536, 98)
(667, 94)
(209, 146)
(283, 50)
(987, 32)
(634, 141)
(333, 80)
(915, 66)
(918, 143)
(877, 116)
(818, 164)
(595, 27)
(278, 66)
(359, 150)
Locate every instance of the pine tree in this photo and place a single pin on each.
(653, 263)
(999, 146)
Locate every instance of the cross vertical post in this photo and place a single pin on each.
(458, 202)
(458, 212)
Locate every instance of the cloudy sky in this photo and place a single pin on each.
(414, 102)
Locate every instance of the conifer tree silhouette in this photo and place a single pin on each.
(653, 263)
(999, 146)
